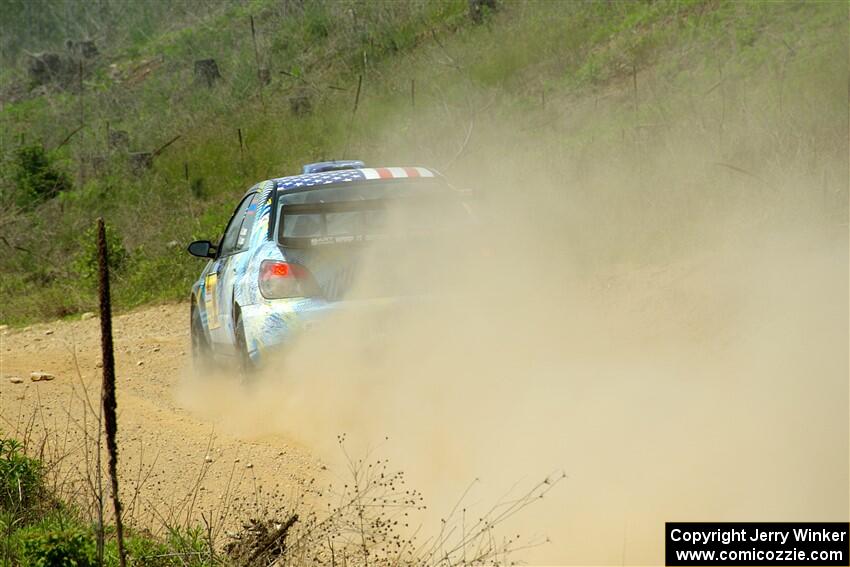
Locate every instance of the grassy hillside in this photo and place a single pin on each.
(656, 117)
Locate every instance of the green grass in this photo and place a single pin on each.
(775, 64)
(38, 530)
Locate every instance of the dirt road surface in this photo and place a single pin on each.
(174, 464)
(714, 389)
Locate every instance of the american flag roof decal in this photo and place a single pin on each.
(348, 175)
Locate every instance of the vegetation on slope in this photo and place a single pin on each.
(546, 85)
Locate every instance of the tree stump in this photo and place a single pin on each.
(206, 71)
(300, 105)
(265, 76)
(479, 8)
(140, 162)
(119, 140)
(84, 48)
(88, 49)
(98, 164)
(48, 67)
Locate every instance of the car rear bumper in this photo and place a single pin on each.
(276, 323)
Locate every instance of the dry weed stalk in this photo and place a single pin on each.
(108, 390)
(370, 522)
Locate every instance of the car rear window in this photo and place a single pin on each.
(368, 212)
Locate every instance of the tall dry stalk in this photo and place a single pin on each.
(108, 390)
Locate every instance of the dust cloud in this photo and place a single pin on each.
(664, 324)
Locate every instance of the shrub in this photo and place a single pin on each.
(36, 176)
(20, 479)
(86, 262)
(72, 548)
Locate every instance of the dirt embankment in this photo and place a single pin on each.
(182, 465)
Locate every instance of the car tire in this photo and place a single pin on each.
(243, 360)
(202, 356)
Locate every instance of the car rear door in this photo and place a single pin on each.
(222, 277)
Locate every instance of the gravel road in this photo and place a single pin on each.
(174, 463)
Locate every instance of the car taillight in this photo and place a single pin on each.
(283, 279)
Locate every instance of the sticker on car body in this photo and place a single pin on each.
(210, 284)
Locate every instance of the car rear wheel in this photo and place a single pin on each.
(243, 359)
(201, 351)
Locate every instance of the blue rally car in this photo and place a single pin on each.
(290, 252)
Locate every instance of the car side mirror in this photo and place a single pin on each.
(202, 249)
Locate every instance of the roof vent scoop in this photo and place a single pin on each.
(321, 166)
